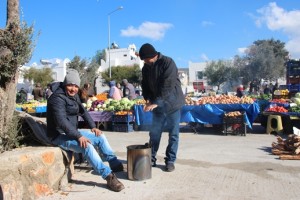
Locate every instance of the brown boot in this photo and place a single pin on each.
(113, 183)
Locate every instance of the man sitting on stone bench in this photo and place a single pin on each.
(63, 109)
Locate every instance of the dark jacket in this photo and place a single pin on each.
(129, 91)
(239, 92)
(161, 84)
(63, 112)
(38, 93)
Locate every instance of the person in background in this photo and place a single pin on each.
(267, 90)
(84, 93)
(162, 91)
(240, 91)
(91, 90)
(21, 96)
(63, 108)
(251, 87)
(37, 92)
(128, 90)
(114, 92)
(120, 89)
(48, 91)
(275, 87)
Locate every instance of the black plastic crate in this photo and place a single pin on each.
(122, 118)
(122, 127)
(234, 125)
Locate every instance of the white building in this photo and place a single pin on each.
(197, 77)
(58, 66)
(117, 56)
(120, 57)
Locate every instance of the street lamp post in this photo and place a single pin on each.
(108, 17)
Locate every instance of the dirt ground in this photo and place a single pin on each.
(210, 166)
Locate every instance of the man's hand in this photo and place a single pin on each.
(97, 131)
(149, 107)
(83, 141)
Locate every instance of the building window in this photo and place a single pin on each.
(199, 75)
(125, 55)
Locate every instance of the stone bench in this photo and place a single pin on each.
(34, 171)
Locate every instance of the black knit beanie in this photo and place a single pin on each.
(147, 51)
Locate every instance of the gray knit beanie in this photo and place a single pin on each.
(72, 77)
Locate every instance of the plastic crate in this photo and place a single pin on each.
(122, 127)
(294, 87)
(234, 125)
(41, 109)
(280, 96)
(122, 118)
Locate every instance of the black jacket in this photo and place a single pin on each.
(63, 112)
(161, 84)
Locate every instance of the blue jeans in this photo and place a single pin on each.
(172, 121)
(90, 153)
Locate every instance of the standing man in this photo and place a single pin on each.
(128, 90)
(63, 109)
(37, 92)
(162, 90)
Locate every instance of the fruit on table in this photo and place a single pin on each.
(281, 92)
(222, 99)
(233, 114)
(277, 109)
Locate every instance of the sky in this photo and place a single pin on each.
(186, 30)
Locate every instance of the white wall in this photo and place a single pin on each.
(121, 57)
(193, 69)
(58, 66)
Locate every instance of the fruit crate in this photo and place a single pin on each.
(234, 125)
(122, 118)
(280, 96)
(120, 127)
(41, 109)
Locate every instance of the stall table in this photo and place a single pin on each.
(205, 114)
(100, 118)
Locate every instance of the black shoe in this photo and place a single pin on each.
(153, 164)
(118, 168)
(170, 167)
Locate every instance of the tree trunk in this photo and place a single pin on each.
(8, 90)
(12, 12)
(7, 105)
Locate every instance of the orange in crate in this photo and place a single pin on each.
(102, 96)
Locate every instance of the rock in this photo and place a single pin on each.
(30, 172)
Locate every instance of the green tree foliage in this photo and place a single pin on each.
(118, 73)
(42, 76)
(218, 72)
(87, 70)
(100, 55)
(238, 72)
(265, 60)
(78, 64)
(16, 50)
(91, 73)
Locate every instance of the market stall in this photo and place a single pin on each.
(205, 114)
(100, 118)
(280, 116)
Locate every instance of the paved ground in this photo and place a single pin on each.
(210, 166)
